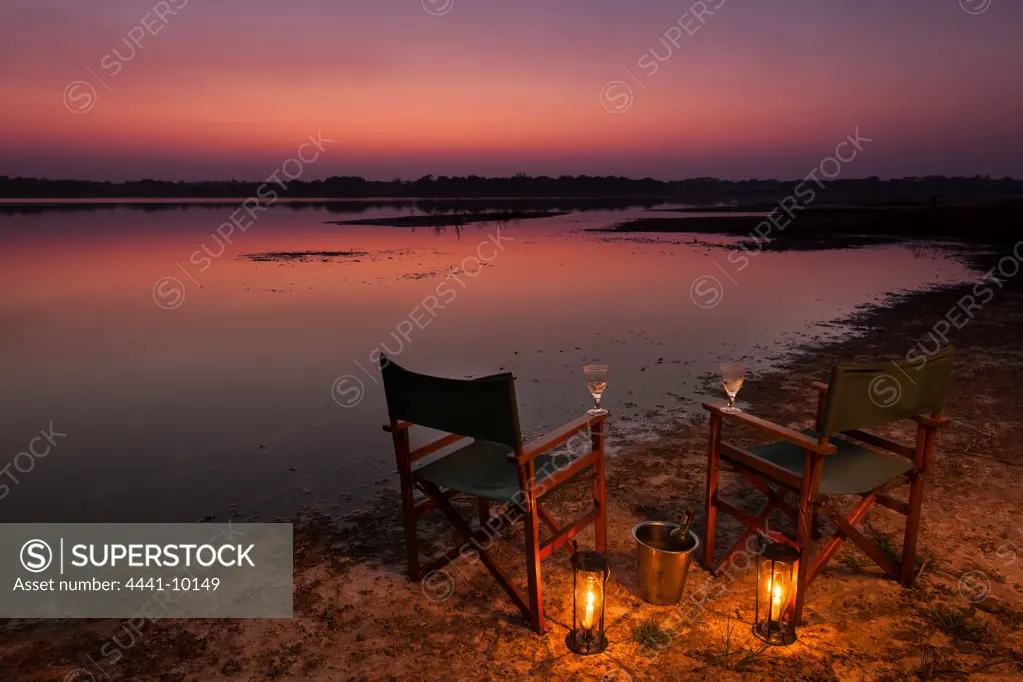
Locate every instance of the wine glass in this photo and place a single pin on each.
(596, 381)
(732, 375)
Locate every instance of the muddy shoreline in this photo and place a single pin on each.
(358, 618)
(815, 227)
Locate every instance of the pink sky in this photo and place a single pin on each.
(760, 88)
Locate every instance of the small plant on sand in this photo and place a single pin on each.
(932, 664)
(957, 624)
(883, 542)
(850, 560)
(545, 666)
(732, 656)
(649, 634)
(328, 618)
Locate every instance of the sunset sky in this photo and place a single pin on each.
(758, 88)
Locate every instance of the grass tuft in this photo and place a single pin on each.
(957, 624)
(736, 657)
(650, 634)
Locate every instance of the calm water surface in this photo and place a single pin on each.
(248, 388)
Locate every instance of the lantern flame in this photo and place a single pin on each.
(590, 603)
(776, 602)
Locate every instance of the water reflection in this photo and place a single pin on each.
(226, 404)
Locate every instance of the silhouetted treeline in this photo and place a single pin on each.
(343, 206)
(696, 191)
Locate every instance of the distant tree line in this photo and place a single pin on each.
(698, 191)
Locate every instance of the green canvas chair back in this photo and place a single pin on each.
(484, 408)
(862, 396)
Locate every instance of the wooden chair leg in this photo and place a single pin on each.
(599, 490)
(804, 536)
(815, 529)
(484, 506)
(907, 567)
(924, 443)
(712, 488)
(408, 504)
(812, 466)
(527, 475)
(408, 509)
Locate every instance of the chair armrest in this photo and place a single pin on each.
(776, 430)
(928, 420)
(819, 386)
(439, 444)
(562, 474)
(400, 426)
(551, 440)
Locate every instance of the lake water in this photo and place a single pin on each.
(248, 388)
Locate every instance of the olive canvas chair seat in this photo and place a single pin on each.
(494, 466)
(841, 456)
(851, 470)
(482, 469)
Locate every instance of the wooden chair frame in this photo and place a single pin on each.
(525, 507)
(775, 481)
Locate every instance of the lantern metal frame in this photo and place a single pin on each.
(774, 555)
(588, 561)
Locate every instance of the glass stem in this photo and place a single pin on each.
(731, 401)
(596, 402)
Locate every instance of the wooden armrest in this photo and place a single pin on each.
(400, 426)
(928, 420)
(563, 474)
(551, 440)
(776, 430)
(436, 445)
(819, 386)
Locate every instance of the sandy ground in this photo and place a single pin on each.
(358, 618)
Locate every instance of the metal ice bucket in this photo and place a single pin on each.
(663, 561)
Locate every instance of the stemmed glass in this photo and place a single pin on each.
(596, 381)
(732, 375)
